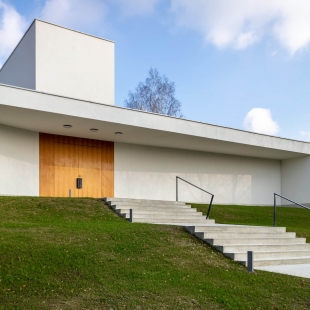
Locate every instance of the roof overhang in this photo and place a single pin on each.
(41, 112)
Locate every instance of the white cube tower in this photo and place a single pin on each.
(64, 62)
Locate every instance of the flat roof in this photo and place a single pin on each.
(42, 112)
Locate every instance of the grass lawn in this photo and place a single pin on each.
(78, 254)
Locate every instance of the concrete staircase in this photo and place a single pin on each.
(271, 245)
(157, 211)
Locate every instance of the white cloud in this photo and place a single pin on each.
(12, 28)
(260, 120)
(240, 23)
(245, 39)
(74, 13)
(137, 7)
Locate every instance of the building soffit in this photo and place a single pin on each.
(41, 112)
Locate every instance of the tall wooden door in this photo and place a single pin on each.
(64, 159)
(90, 171)
(66, 169)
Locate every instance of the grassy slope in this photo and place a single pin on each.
(77, 254)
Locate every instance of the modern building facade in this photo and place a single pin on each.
(58, 122)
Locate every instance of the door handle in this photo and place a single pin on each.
(79, 183)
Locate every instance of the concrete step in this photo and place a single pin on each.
(158, 212)
(254, 241)
(269, 255)
(159, 208)
(172, 220)
(237, 229)
(164, 216)
(276, 261)
(153, 205)
(139, 201)
(239, 235)
(263, 248)
(159, 216)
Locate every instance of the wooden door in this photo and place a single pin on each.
(90, 171)
(63, 159)
(66, 169)
(107, 170)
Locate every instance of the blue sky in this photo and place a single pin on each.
(236, 63)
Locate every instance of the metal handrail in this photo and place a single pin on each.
(177, 193)
(275, 207)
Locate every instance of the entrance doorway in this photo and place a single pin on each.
(65, 159)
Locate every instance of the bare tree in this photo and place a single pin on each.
(155, 95)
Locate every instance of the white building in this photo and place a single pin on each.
(57, 76)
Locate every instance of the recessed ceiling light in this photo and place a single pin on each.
(67, 126)
(93, 129)
(118, 133)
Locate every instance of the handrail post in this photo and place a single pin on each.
(210, 205)
(274, 210)
(130, 215)
(176, 180)
(250, 261)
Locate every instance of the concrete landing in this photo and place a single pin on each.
(300, 270)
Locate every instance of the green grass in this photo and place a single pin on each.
(78, 254)
(294, 219)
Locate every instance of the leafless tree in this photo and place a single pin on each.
(155, 95)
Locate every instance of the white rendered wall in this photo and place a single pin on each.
(19, 70)
(149, 173)
(73, 64)
(19, 162)
(296, 179)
